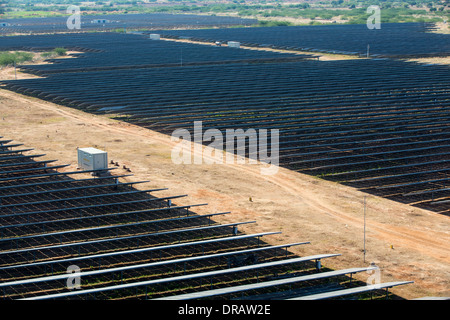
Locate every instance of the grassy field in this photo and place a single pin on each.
(11, 58)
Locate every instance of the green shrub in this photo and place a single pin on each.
(46, 54)
(9, 58)
(23, 56)
(6, 58)
(265, 23)
(60, 51)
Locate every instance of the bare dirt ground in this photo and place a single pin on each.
(442, 27)
(9, 73)
(433, 60)
(407, 243)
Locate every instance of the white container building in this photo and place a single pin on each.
(92, 159)
(234, 44)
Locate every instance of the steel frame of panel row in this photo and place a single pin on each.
(67, 181)
(265, 284)
(27, 214)
(112, 226)
(42, 192)
(333, 146)
(352, 291)
(412, 184)
(20, 164)
(186, 277)
(28, 192)
(105, 195)
(163, 262)
(45, 223)
(152, 234)
(139, 250)
(54, 174)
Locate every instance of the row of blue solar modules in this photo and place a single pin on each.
(352, 120)
(114, 21)
(128, 50)
(389, 117)
(392, 39)
(130, 246)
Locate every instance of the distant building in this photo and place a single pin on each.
(234, 44)
(100, 21)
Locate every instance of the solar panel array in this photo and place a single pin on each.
(391, 40)
(128, 243)
(118, 21)
(379, 125)
(128, 51)
(376, 124)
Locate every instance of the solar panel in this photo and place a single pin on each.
(66, 181)
(184, 277)
(27, 214)
(19, 164)
(111, 226)
(141, 250)
(53, 174)
(74, 188)
(81, 198)
(372, 117)
(166, 262)
(93, 217)
(6, 146)
(371, 131)
(123, 238)
(351, 291)
(14, 151)
(393, 40)
(259, 285)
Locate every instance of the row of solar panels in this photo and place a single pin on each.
(378, 123)
(115, 21)
(26, 262)
(391, 40)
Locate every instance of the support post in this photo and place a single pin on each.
(364, 250)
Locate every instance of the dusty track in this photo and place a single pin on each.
(302, 207)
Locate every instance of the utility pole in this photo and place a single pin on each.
(15, 72)
(364, 229)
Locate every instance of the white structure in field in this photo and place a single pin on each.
(154, 36)
(100, 21)
(92, 159)
(234, 44)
